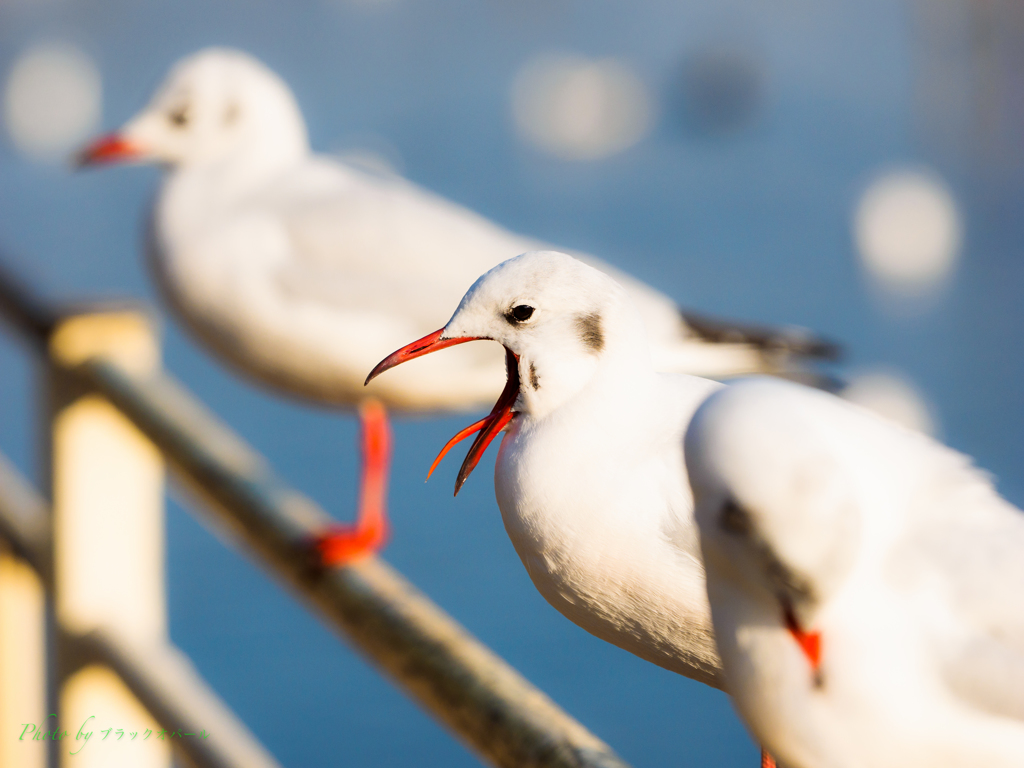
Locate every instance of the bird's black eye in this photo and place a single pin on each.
(519, 314)
(179, 117)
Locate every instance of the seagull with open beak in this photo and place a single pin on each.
(590, 476)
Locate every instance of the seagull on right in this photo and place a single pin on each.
(866, 584)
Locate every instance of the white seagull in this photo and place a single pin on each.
(302, 271)
(866, 584)
(590, 477)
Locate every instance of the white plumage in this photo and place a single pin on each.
(893, 559)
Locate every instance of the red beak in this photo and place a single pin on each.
(112, 148)
(429, 343)
(488, 427)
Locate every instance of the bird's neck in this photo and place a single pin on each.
(552, 378)
(196, 194)
(251, 167)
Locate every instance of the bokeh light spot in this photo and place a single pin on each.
(580, 109)
(52, 100)
(893, 396)
(908, 231)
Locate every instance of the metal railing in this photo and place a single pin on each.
(102, 366)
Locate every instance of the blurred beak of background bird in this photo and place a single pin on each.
(489, 426)
(108, 149)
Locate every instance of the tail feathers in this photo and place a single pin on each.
(795, 341)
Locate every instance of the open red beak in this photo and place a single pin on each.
(112, 148)
(489, 426)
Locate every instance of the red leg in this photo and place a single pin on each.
(767, 761)
(341, 544)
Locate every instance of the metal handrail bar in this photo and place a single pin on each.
(487, 703)
(166, 683)
(28, 313)
(25, 522)
(159, 675)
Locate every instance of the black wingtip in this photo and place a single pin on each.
(823, 381)
(792, 341)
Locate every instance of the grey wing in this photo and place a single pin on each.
(416, 305)
(364, 226)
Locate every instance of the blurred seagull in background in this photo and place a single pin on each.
(302, 271)
(866, 584)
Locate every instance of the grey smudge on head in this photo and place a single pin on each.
(590, 330)
(534, 379)
(734, 519)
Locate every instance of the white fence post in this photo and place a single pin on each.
(107, 490)
(22, 664)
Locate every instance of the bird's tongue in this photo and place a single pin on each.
(488, 427)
